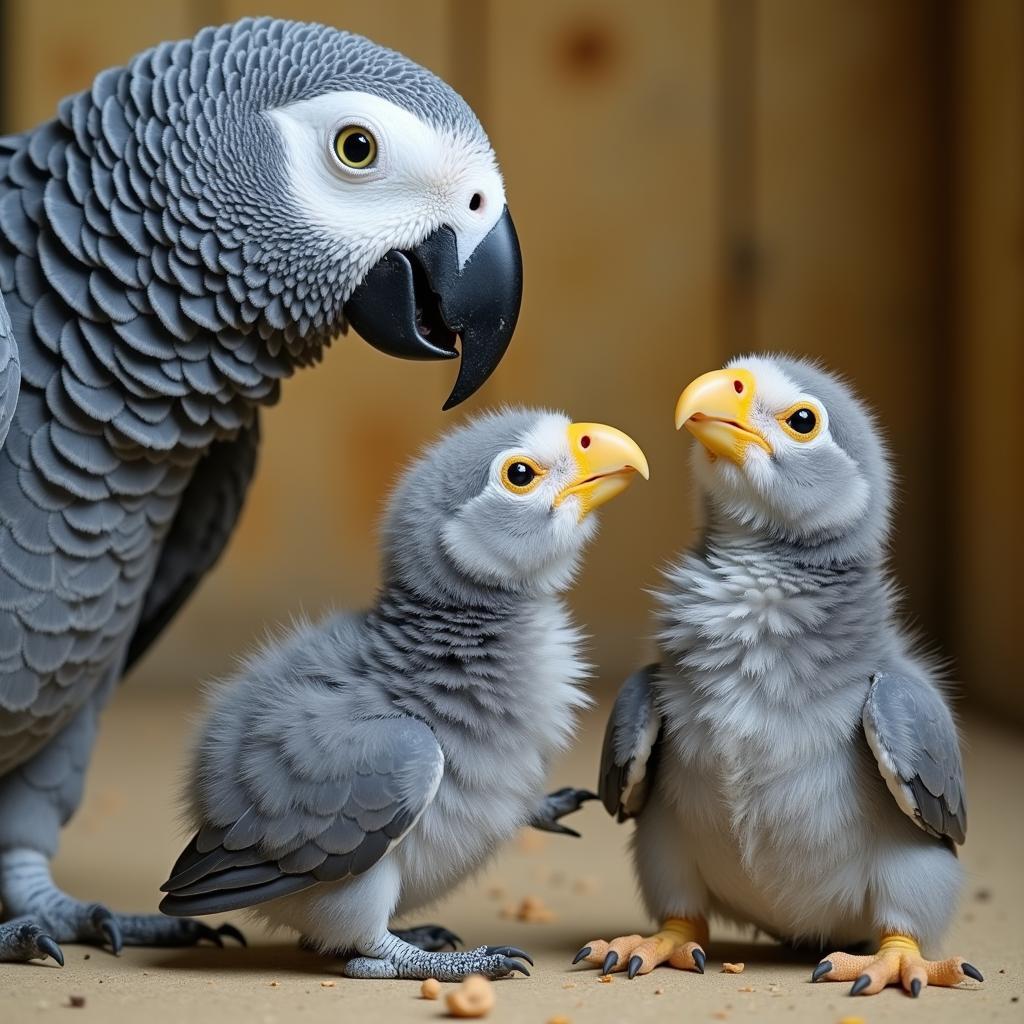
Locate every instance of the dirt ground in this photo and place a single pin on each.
(126, 836)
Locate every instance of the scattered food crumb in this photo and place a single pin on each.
(328, 984)
(852, 1020)
(532, 910)
(87, 956)
(76, 1001)
(473, 998)
(720, 1015)
(275, 984)
(430, 989)
(659, 991)
(746, 988)
(728, 968)
(605, 979)
(569, 984)
(560, 1019)
(983, 895)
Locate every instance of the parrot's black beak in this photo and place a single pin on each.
(416, 303)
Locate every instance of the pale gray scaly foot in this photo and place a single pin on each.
(22, 940)
(28, 891)
(431, 938)
(399, 959)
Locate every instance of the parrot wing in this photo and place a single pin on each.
(321, 808)
(202, 526)
(911, 732)
(630, 741)
(10, 372)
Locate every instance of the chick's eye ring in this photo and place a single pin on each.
(355, 147)
(520, 475)
(802, 422)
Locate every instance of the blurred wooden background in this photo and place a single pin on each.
(690, 179)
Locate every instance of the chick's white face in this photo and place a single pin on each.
(375, 177)
(766, 453)
(535, 514)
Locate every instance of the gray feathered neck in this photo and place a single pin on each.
(157, 208)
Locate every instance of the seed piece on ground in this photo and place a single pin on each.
(473, 998)
(430, 989)
(728, 968)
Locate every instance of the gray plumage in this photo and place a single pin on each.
(362, 767)
(788, 698)
(162, 276)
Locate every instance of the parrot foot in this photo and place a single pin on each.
(557, 805)
(431, 938)
(679, 944)
(897, 962)
(28, 892)
(406, 961)
(22, 940)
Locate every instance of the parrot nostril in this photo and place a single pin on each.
(738, 385)
(585, 441)
(476, 202)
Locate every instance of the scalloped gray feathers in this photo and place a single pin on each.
(304, 807)
(10, 372)
(912, 735)
(160, 283)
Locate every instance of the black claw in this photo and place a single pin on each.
(821, 970)
(510, 951)
(859, 985)
(915, 987)
(700, 958)
(971, 971)
(634, 965)
(208, 933)
(112, 930)
(515, 965)
(229, 931)
(49, 948)
(609, 962)
(581, 955)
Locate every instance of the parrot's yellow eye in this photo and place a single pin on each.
(355, 147)
(520, 475)
(802, 422)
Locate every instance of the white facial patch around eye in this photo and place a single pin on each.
(421, 177)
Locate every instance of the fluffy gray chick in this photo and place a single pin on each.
(791, 762)
(362, 767)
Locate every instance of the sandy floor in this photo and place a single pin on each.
(120, 846)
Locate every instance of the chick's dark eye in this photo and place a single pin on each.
(803, 421)
(520, 474)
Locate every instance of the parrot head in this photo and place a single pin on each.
(787, 448)
(329, 182)
(506, 501)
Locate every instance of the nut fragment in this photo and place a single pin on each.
(531, 909)
(560, 1019)
(728, 968)
(473, 998)
(328, 984)
(430, 989)
(76, 1002)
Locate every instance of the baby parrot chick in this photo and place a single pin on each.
(791, 760)
(361, 767)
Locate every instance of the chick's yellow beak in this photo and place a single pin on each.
(715, 408)
(607, 461)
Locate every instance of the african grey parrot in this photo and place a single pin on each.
(363, 766)
(791, 761)
(174, 243)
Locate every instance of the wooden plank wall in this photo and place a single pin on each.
(690, 180)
